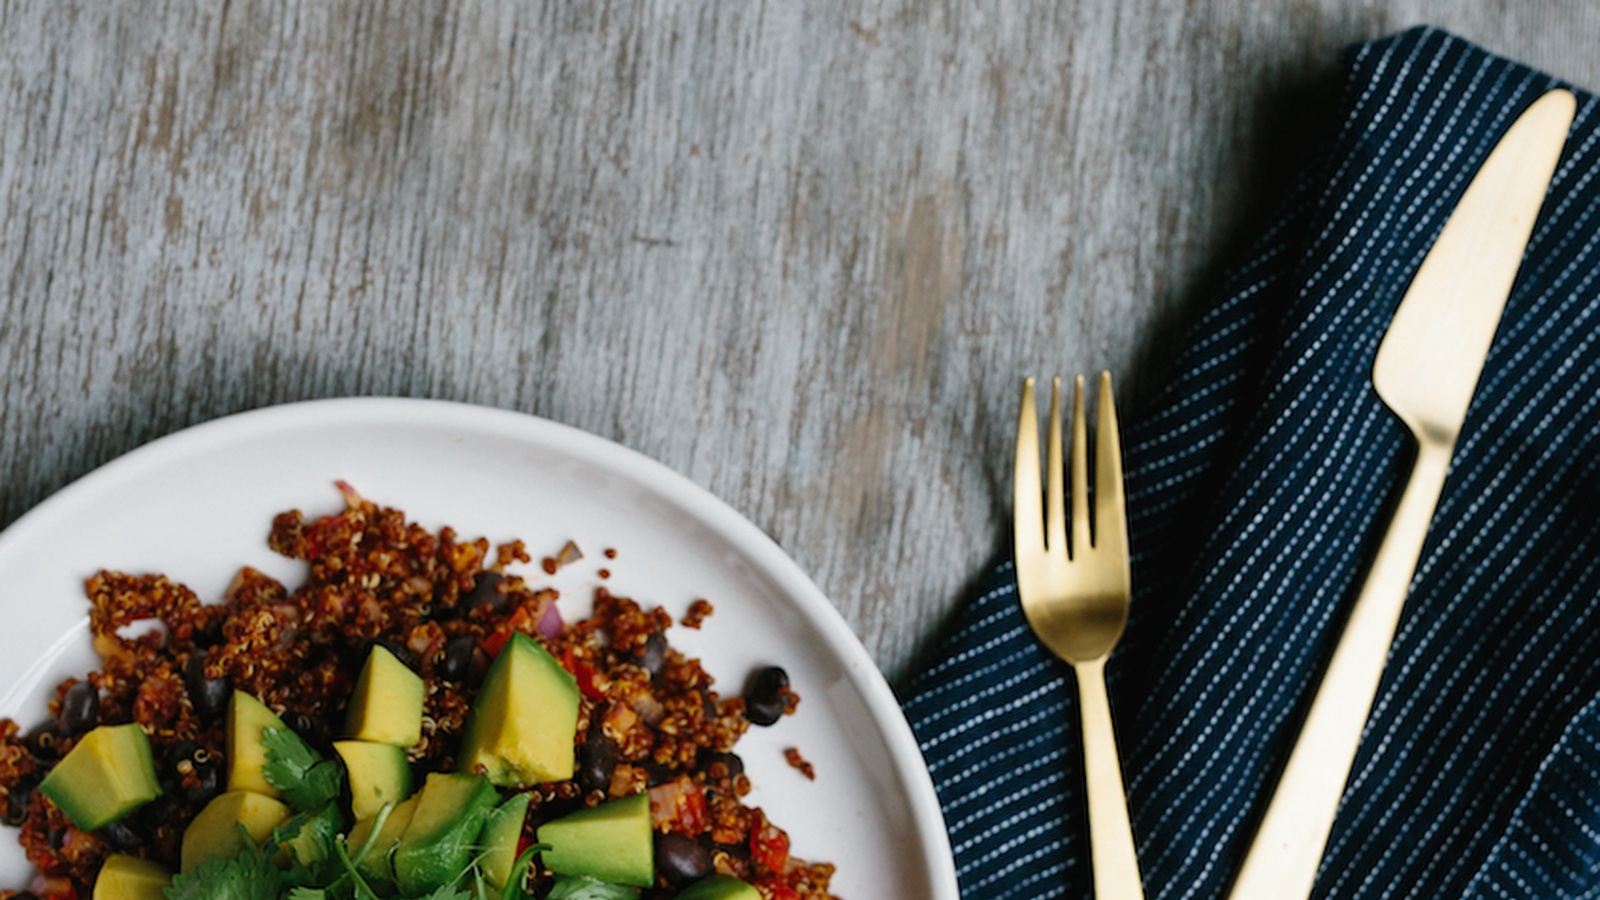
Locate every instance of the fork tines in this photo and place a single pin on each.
(1042, 522)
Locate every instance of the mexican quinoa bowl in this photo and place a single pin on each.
(413, 718)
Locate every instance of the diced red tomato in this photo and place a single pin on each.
(680, 805)
(769, 846)
(494, 642)
(779, 890)
(521, 619)
(583, 673)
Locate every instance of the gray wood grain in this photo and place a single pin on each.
(802, 253)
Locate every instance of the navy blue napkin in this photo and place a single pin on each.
(1259, 481)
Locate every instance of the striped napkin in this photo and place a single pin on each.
(1258, 482)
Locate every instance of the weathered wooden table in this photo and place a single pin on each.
(801, 252)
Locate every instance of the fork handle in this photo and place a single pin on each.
(1282, 861)
(1112, 858)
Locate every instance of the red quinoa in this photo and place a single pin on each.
(375, 577)
(698, 612)
(792, 756)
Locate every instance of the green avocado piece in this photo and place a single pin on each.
(440, 841)
(578, 887)
(125, 877)
(610, 842)
(386, 707)
(215, 830)
(248, 718)
(502, 834)
(376, 865)
(379, 775)
(523, 722)
(105, 776)
(720, 887)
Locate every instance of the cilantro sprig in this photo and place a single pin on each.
(306, 780)
(307, 857)
(249, 875)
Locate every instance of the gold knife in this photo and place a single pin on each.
(1426, 371)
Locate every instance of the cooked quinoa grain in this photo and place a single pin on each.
(649, 720)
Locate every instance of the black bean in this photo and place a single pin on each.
(733, 764)
(680, 859)
(480, 666)
(353, 656)
(44, 741)
(160, 811)
(456, 664)
(654, 654)
(301, 724)
(401, 652)
(80, 709)
(654, 772)
(763, 695)
(17, 802)
(739, 853)
(121, 835)
(210, 636)
(315, 734)
(486, 592)
(183, 750)
(597, 761)
(357, 654)
(209, 695)
(207, 783)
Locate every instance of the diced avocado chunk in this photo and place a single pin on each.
(502, 834)
(247, 755)
(105, 776)
(610, 842)
(379, 775)
(440, 841)
(215, 831)
(577, 887)
(125, 877)
(720, 887)
(520, 732)
(386, 707)
(376, 862)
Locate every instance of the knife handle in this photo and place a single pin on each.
(1283, 859)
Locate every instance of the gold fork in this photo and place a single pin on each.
(1076, 599)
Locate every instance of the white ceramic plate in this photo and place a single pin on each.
(197, 505)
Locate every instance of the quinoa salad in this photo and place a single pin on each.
(384, 729)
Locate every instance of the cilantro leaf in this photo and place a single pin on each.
(306, 780)
(250, 875)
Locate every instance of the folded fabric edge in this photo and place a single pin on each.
(1552, 843)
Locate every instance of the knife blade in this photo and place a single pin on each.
(1426, 371)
